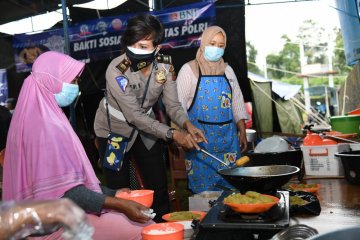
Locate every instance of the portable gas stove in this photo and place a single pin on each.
(221, 222)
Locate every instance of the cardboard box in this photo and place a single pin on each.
(200, 201)
(321, 160)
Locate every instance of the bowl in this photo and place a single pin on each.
(351, 164)
(144, 197)
(252, 207)
(298, 231)
(167, 217)
(163, 231)
(272, 144)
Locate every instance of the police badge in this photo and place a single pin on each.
(160, 76)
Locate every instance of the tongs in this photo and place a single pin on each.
(239, 162)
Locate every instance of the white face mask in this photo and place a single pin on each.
(140, 51)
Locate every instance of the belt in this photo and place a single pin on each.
(118, 114)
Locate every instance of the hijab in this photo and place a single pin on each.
(207, 67)
(44, 158)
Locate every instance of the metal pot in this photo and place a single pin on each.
(261, 178)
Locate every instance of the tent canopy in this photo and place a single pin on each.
(273, 109)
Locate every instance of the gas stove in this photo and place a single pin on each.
(223, 223)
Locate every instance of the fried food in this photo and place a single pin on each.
(296, 200)
(183, 216)
(249, 197)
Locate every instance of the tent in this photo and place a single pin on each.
(274, 110)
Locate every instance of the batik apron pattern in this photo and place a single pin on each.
(211, 111)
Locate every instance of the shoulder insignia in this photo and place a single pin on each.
(122, 82)
(123, 65)
(166, 59)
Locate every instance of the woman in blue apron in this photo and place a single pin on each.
(209, 91)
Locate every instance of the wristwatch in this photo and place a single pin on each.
(169, 134)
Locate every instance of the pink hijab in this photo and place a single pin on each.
(44, 157)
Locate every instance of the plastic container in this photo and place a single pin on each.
(321, 160)
(351, 163)
(200, 201)
(144, 197)
(163, 231)
(346, 124)
(354, 146)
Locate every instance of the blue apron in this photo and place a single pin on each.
(211, 111)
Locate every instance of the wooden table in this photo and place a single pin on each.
(340, 206)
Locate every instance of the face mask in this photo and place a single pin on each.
(213, 54)
(67, 95)
(139, 58)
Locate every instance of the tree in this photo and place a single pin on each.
(339, 55)
(315, 41)
(251, 54)
(287, 60)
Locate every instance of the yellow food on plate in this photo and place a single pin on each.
(296, 200)
(249, 197)
(183, 216)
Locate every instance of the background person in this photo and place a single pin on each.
(130, 109)
(210, 93)
(45, 160)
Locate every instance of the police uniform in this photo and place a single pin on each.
(125, 91)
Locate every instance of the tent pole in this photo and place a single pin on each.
(65, 27)
(67, 51)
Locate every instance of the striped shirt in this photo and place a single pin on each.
(186, 86)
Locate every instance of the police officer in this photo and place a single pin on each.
(135, 81)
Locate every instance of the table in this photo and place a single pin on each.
(340, 206)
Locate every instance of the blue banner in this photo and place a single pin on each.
(3, 86)
(350, 27)
(99, 39)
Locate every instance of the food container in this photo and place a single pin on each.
(321, 160)
(163, 231)
(351, 163)
(201, 201)
(144, 197)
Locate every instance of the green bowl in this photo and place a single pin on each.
(346, 124)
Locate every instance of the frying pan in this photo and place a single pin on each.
(259, 178)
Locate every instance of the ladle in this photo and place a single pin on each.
(239, 162)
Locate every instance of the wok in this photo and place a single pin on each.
(261, 178)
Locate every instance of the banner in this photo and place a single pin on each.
(3, 86)
(350, 27)
(99, 39)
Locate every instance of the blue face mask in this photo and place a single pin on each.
(213, 54)
(67, 95)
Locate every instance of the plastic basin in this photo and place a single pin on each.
(346, 124)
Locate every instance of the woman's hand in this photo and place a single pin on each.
(196, 133)
(242, 132)
(243, 143)
(134, 211)
(131, 209)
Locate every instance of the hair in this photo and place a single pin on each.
(140, 27)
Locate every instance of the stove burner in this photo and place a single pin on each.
(275, 213)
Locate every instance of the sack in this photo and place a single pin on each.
(115, 151)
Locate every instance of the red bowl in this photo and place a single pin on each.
(163, 231)
(253, 207)
(166, 217)
(144, 197)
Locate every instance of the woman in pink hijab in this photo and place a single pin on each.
(45, 159)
